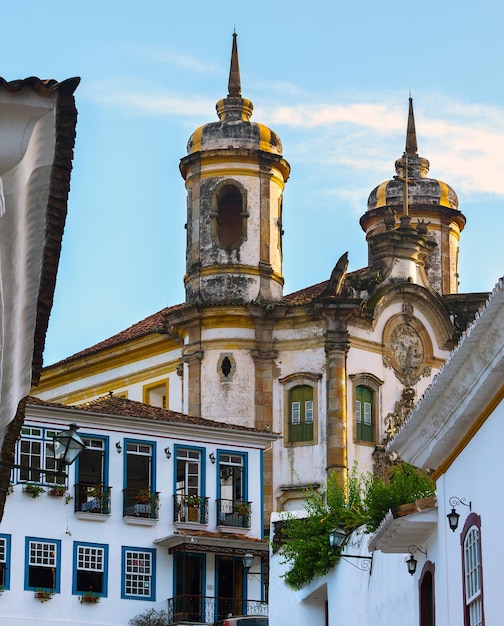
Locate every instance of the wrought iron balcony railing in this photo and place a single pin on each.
(207, 609)
(234, 513)
(190, 509)
(140, 503)
(92, 499)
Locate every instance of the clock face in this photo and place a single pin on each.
(406, 348)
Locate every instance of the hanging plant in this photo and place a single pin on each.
(33, 489)
(44, 594)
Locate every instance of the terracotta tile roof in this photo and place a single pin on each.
(122, 407)
(303, 296)
(152, 324)
(157, 322)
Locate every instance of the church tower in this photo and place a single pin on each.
(235, 175)
(423, 248)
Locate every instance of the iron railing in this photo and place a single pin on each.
(190, 509)
(235, 513)
(140, 503)
(207, 609)
(92, 499)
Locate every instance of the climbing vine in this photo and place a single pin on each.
(364, 502)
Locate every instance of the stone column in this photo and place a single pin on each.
(336, 347)
(264, 356)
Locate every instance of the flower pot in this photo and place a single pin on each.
(44, 596)
(89, 599)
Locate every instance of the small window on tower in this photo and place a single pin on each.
(226, 367)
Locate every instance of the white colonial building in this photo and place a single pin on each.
(157, 512)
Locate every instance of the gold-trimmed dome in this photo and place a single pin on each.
(422, 191)
(234, 128)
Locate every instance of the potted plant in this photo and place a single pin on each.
(95, 491)
(146, 503)
(193, 504)
(44, 594)
(192, 501)
(57, 490)
(241, 508)
(33, 489)
(89, 597)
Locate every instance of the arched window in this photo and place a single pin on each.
(472, 570)
(364, 418)
(301, 413)
(230, 216)
(426, 588)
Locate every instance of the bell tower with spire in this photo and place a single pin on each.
(413, 223)
(235, 175)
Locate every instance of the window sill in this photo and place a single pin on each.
(235, 530)
(92, 517)
(190, 525)
(297, 444)
(140, 521)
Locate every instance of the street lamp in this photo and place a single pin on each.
(67, 446)
(337, 538)
(453, 516)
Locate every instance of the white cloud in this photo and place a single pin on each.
(463, 141)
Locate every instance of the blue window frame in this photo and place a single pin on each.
(190, 477)
(42, 564)
(90, 568)
(5, 559)
(138, 573)
(232, 477)
(34, 455)
(92, 475)
(139, 464)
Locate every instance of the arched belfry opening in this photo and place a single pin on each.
(230, 216)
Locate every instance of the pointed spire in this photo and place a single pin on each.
(411, 140)
(234, 84)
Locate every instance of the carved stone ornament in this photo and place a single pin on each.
(406, 348)
(406, 354)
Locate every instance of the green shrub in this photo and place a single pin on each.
(364, 502)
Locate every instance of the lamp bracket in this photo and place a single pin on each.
(455, 501)
(364, 563)
(39, 470)
(413, 549)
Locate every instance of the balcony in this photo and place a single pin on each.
(92, 499)
(189, 509)
(141, 503)
(234, 514)
(185, 609)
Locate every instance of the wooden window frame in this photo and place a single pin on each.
(301, 379)
(373, 383)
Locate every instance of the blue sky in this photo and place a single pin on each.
(332, 79)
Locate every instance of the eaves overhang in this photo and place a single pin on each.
(218, 543)
(404, 526)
